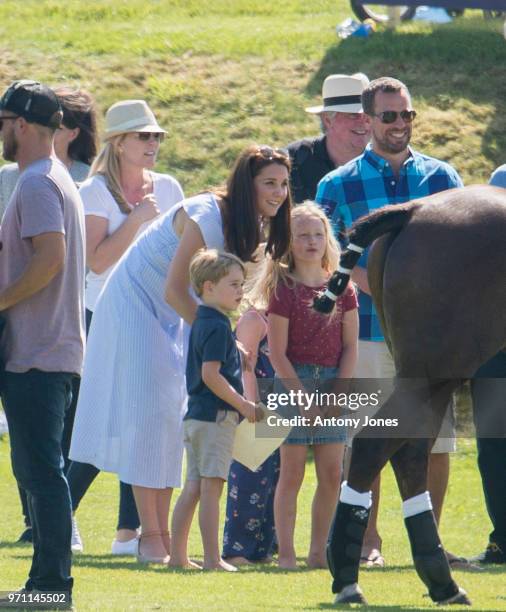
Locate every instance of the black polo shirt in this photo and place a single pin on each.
(211, 339)
(310, 163)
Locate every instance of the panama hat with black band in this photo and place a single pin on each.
(341, 93)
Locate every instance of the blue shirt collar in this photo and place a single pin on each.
(380, 164)
(208, 312)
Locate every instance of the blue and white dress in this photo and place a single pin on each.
(133, 397)
(249, 524)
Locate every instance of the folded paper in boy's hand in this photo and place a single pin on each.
(252, 450)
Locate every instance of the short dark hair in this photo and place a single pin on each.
(79, 112)
(384, 84)
(241, 226)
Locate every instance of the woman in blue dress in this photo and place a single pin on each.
(133, 396)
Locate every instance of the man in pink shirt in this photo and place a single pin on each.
(41, 300)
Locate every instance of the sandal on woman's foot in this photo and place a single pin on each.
(373, 559)
(142, 558)
(461, 563)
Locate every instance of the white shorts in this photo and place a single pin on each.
(375, 361)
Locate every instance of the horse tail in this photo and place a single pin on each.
(362, 233)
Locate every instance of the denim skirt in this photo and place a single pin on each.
(312, 377)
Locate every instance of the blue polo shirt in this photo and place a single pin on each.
(211, 339)
(367, 183)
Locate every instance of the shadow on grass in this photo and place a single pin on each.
(331, 606)
(27, 546)
(463, 60)
(109, 561)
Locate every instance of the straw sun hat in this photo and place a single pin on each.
(130, 116)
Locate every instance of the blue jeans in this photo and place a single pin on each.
(312, 376)
(35, 403)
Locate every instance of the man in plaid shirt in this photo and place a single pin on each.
(388, 172)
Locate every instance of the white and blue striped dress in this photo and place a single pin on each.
(133, 396)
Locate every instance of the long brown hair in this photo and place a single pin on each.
(79, 112)
(241, 225)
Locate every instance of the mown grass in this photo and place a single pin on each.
(223, 75)
(103, 582)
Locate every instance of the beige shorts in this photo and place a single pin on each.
(375, 361)
(209, 446)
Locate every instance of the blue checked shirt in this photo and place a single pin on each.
(367, 183)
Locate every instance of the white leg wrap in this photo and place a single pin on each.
(354, 498)
(416, 505)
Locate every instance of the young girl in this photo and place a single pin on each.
(308, 348)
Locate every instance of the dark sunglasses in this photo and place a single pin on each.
(270, 153)
(146, 136)
(2, 119)
(391, 116)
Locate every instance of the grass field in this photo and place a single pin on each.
(219, 77)
(103, 582)
(223, 75)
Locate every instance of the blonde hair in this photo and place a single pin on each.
(272, 272)
(107, 164)
(211, 265)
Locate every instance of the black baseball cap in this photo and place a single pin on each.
(33, 101)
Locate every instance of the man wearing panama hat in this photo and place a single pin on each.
(345, 134)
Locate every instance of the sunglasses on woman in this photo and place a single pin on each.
(146, 136)
(390, 116)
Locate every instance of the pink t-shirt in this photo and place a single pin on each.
(313, 338)
(46, 330)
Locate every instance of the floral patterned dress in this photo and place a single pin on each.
(249, 525)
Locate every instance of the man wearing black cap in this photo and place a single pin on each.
(41, 300)
(345, 133)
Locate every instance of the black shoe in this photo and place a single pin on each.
(26, 536)
(492, 554)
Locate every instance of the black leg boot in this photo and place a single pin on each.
(430, 560)
(345, 545)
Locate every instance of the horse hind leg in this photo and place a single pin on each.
(352, 515)
(410, 464)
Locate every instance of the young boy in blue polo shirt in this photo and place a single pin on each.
(213, 380)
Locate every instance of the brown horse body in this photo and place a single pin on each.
(437, 274)
(439, 285)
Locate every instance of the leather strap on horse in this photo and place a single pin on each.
(361, 235)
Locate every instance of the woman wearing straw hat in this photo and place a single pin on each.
(133, 397)
(121, 199)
